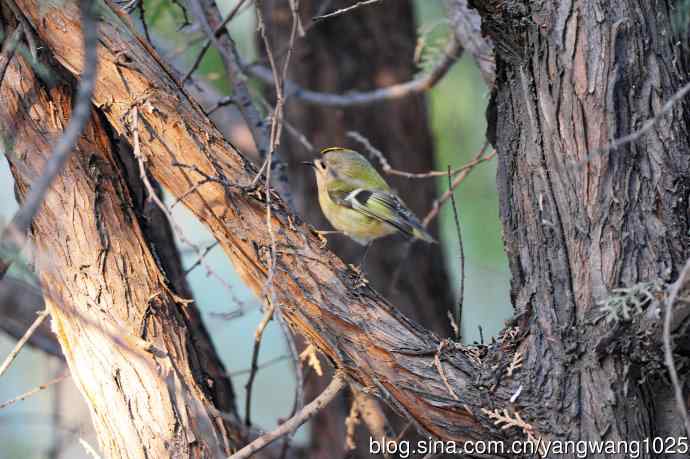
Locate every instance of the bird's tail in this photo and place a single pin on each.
(419, 232)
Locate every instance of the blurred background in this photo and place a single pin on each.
(50, 424)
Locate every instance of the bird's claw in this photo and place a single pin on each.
(360, 279)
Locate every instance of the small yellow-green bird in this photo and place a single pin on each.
(358, 202)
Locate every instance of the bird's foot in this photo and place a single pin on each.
(360, 278)
(322, 236)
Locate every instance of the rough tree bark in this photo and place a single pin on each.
(570, 77)
(329, 59)
(573, 76)
(136, 348)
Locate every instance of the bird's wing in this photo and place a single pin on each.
(385, 207)
(362, 177)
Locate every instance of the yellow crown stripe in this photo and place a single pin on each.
(329, 149)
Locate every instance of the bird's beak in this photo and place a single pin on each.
(308, 163)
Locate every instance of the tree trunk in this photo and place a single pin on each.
(329, 59)
(580, 221)
(136, 349)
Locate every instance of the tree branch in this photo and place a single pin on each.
(82, 109)
(289, 426)
(356, 98)
(318, 295)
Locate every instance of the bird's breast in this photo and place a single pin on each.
(358, 226)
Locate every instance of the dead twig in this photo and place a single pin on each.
(461, 295)
(207, 44)
(8, 48)
(266, 364)
(463, 172)
(386, 167)
(33, 391)
(153, 196)
(289, 426)
(20, 344)
(439, 367)
(258, 335)
(357, 98)
(345, 10)
(206, 11)
(466, 169)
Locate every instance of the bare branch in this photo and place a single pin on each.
(336, 385)
(386, 167)
(82, 109)
(354, 98)
(345, 10)
(465, 170)
(668, 352)
(258, 335)
(206, 13)
(458, 318)
(8, 48)
(33, 391)
(207, 43)
(20, 344)
(18, 308)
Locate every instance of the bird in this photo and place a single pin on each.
(358, 202)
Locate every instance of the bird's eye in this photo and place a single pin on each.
(320, 165)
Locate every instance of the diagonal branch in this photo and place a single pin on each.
(378, 349)
(292, 424)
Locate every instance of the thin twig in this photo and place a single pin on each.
(20, 344)
(298, 400)
(356, 98)
(344, 10)
(153, 196)
(464, 171)
(201, 257)
(274, 141)
(258, 335)
(33, 391)
(439, 367)
(64, 147)
(438, 203)
(461, 295)
(8, 49)
(266, 364)
(206, 11)
(207, 43)
(386, 167)
(142, 17)
(292, 424)
(668, 352)
(28, 30)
